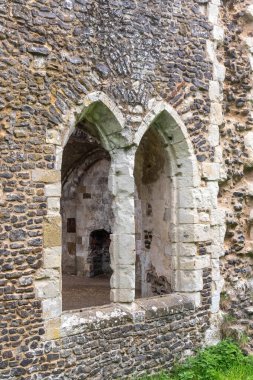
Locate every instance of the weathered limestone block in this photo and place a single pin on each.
(121, 184)
(211, 171)
(123, 209)
(188, 167)
(123, 277)
(52, 307)
(58, 157)
(184, 249)
(214, 135)
(47, 288)
(216, 114)
(182, 149)
(219, 72)
(213, 13)
(190, 263)
(46, 176)
(53, 205)
(52, 257)
(52, 329)
(249, 12)
(122, 249)
(187, 198)
(186, 215)
(187, 181)
(194, 297)
(215, 93)
(248, 141)
(122, 295)
(218, 33)
(217, 217)
(191, 233)
(189, 281)
(53, 137)
(52, 230)
(53, 190)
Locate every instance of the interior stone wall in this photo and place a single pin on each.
(88, 201)
(153, 216)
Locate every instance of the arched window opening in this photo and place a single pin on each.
(152, 216)
(86, 208)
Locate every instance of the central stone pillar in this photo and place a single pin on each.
(122, 248)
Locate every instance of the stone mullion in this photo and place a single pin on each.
(122, 248)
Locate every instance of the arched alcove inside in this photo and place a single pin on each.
(87, 206)
(153, 215)
(166, 215)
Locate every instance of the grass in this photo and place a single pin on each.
(225, 361)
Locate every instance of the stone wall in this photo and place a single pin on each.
(112, 343)
(236, 190)
(120, 66)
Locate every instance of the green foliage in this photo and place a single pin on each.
(224, 361)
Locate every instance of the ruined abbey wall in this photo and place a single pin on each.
(183, 68)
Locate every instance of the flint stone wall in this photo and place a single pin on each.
(116, 342)
(53, 53)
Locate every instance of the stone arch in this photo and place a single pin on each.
(96, 107)
(109, 123)
(186, 228)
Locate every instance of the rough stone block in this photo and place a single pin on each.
(219, 72)
(189, 281)
(123, 209)
(182, 149)
(214, 91)
(53, 137)
(47, 288)
(122, 184)
(52, 257)
(122, 295)
(123, 277)
(53, 190)
(193, 233)
(53, 205)
(211, 50)
(58, 157)
(218, 33)
(249, 12)
(52, 230)
(122, 249)
(52, 308)
(194, 297)
(184, 249)
(215, 303)
(187, 216)
(52, 328)
(211, 171)
(217, 217)
(216, 114)
(191, 263)
(187, 167)
(213, 13)
(214, 135)
(46, 176)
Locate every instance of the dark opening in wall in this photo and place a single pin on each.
(99, 255)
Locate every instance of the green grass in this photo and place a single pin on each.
(224, 361)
